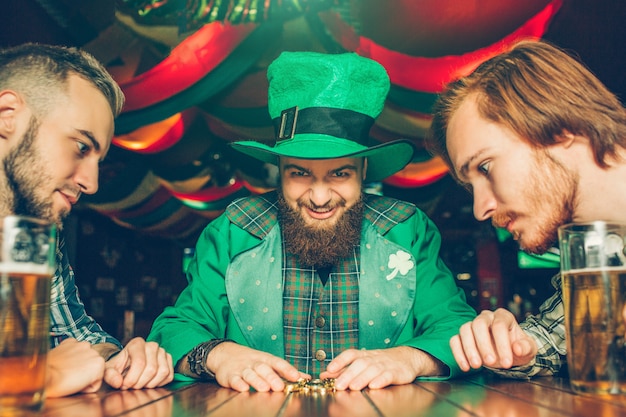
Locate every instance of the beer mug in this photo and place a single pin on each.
(593, 270)
(27, 263)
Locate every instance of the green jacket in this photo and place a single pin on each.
(407, 295)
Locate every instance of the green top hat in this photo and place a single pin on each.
(323, 107)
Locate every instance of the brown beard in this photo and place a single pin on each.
(551, 194)
(320, 247)
(25, 170)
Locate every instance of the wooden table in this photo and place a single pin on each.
(479, 395)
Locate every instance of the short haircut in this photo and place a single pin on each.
(40, 73)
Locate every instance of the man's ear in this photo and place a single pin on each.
(566, 138)
(10, 104)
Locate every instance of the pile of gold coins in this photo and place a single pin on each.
(311, 386)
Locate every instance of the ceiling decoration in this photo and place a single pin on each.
(193, 72)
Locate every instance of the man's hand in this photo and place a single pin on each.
(493, 339)
(139, 365)
(73, 367)
(356, 369)
(240, 368)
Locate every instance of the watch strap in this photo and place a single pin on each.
(197, 358)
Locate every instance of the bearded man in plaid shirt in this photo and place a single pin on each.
(318, 279)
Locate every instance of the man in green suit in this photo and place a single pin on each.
(318, 279)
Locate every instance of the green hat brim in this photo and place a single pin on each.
(383, 160)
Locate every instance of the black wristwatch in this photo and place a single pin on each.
(198, 356)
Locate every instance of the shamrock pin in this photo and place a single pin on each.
(400, 262)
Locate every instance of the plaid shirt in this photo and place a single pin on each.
(67, 312)
(320, 321)
(548, 330)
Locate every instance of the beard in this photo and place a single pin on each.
(323, 245)
(25, 172)
(551, 197)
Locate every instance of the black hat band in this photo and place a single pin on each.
(340, 123)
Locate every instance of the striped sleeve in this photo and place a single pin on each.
(68, 318)
(548, 330)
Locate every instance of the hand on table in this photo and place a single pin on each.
(356, 369)
(492, 339)
(73, 367)
(240, 368)
(139, 365)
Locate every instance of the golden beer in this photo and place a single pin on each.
(24, 340)
(596, 354)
